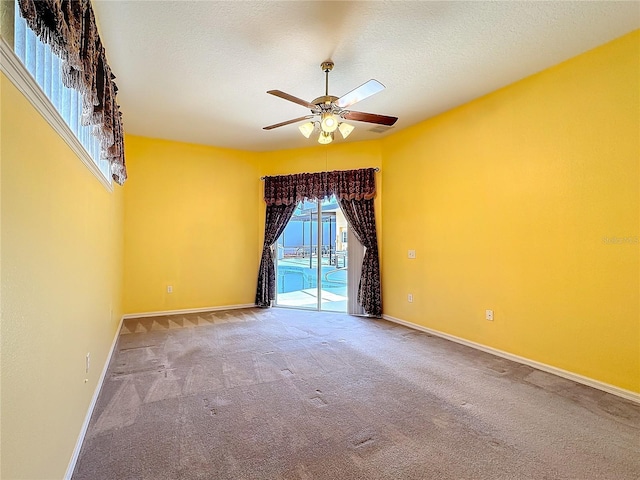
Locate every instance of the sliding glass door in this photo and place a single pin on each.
(312, 260)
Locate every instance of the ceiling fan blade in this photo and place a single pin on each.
(370, 117)
(291, 98)
(360, 93)
(282, 124)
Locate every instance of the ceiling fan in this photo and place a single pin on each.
(327, 111)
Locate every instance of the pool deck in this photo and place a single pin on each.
(308, 298)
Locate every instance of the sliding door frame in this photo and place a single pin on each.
(319, 264)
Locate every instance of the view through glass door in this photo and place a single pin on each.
(311, 258)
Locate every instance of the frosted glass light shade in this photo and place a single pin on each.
(329, 122)
(345, 129)
(306, 129)
(325, 137)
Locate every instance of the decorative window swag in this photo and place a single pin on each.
(344, 184)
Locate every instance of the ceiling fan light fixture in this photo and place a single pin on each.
(325, 138)
(307, 129)
(345, 129)
(329, 122)
(328, 111)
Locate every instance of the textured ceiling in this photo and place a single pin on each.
(199, 71)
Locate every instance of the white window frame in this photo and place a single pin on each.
(12, 66)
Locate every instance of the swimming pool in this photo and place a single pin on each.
(291, 278)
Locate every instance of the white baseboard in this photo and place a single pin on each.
(83, 431)
(187, 310)
(620, 392)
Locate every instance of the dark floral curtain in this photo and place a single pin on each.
(276, 220)
(355, 191)
(69, 27)
(361, 218)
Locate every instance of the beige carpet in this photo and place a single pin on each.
(289, 394)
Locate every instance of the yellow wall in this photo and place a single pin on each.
(510, 201)
(61, 276)
(321, 158)
(194, 218)
(190, 222)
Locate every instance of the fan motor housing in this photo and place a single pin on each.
(325, 103)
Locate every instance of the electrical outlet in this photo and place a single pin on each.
(411, 254)
(169, 289)
(410, 298)
(489, 315)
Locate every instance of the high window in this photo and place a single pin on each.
(45, 67)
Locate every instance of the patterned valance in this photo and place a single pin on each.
(344, 184)
(69, 27)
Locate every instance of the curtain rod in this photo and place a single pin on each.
(377, 169)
